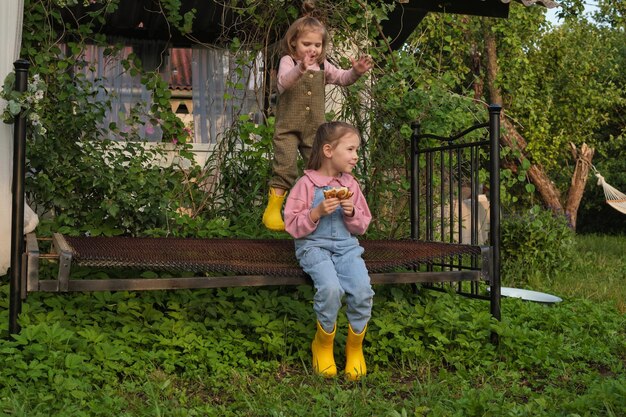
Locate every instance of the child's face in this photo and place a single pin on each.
(309, 44)
(344, 156)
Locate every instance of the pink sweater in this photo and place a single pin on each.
(298, 222)
(289, 73)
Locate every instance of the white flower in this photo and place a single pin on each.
(27, 102)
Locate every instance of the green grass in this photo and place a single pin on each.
(598, 272)
(245, 352)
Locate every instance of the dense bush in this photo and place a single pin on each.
(238, 171)
(535, 243)
(100, 188)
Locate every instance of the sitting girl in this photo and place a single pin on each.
(326, 247)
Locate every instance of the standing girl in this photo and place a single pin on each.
(326, 247)
(303, 73)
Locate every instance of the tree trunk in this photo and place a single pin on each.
(495, 96)
(579, 180)
(550, 195)
(478, 83)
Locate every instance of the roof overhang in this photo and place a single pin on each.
(216, 24)
(408, 14)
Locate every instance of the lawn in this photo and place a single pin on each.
(599, 272)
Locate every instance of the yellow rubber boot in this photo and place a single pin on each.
(355, 361)
(272, 218)
(322, 348)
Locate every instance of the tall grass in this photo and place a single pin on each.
(598, 272)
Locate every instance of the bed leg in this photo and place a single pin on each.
(494, 213)
(17, 205)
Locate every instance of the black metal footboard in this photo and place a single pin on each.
(455, 197)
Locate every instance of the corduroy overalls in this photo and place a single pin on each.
(299, 112)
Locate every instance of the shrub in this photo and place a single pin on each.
(99, 188)
(535, 243)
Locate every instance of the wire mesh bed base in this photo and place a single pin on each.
(241, 262)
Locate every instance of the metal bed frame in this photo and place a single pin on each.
(440, 168)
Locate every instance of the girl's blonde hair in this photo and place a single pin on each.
(298, 28)
(328, 134)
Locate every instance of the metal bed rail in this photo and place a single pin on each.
(219, 263)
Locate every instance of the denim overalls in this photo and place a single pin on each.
(332, 258)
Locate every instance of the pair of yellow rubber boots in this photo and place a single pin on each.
(272, 218)
(324, 360)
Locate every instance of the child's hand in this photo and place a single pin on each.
(348, 207)
(326, 207)
(363, 64)
(307, 61)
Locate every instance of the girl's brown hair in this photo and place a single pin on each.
(328, 134)
(307, 23)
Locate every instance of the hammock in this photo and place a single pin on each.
(614, 197)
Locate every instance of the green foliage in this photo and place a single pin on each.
(26, 103)
(80, 180)
(563, 84)
(612, 13)
(557, 84)
(231, 352)
(183, 23)
(124, 197)
(236, 175)
(535, 242)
